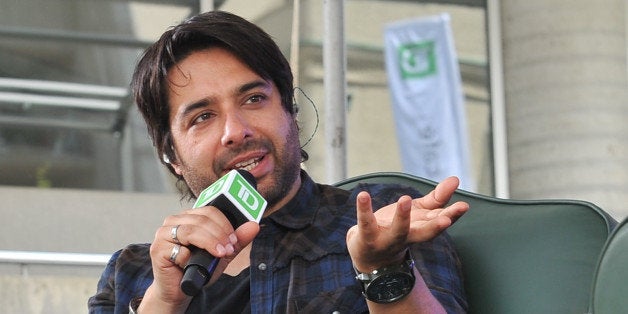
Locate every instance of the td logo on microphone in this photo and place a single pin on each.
(237, 191)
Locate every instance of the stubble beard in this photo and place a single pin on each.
(284, 175)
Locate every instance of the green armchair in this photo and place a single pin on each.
(521, 256)
(610, 284)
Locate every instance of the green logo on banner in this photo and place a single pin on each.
(417, 60)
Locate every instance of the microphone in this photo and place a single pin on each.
(235, 195)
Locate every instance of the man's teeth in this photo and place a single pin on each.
(247, 165)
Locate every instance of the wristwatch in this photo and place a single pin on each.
(388, 284)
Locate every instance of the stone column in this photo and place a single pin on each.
(566, 93)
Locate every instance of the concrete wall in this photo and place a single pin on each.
(566, 91)
(72, 221)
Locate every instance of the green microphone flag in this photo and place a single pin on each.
(236, 197)
(237, 190)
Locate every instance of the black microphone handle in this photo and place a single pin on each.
(201, 265)
(198, 271)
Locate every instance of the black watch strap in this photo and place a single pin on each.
(390, 283)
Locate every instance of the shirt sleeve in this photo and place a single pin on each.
(440, 267)
(104, 299)
(127, 275)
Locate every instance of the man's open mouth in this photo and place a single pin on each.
(248, 165)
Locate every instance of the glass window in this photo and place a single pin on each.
(64, 98)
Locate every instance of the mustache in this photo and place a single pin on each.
(221, 162)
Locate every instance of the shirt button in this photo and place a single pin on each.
(335, 312)
(261, 266)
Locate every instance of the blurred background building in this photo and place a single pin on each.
(545, 86)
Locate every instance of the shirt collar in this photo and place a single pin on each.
(300, 211)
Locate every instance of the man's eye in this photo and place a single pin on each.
(256, 98)
(202, 117)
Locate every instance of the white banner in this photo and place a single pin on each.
(428, 103)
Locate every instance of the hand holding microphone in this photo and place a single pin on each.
(235, 195)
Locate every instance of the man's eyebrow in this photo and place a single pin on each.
(252, 85)
(201, 103)
(204, 102)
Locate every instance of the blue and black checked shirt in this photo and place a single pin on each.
(299, 260)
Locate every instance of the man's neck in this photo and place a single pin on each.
(291, 194)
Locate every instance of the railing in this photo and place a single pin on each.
(50, 108)
(106, 104)
(56, 258)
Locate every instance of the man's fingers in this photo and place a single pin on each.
(367, 224)
(421, 231)
(437, 221)
(246, 233)
(440, 196)
(401, 221)
(453, 211)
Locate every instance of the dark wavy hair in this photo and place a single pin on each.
(249, 43)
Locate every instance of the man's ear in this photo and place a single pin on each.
(173, 163)
(177, 169)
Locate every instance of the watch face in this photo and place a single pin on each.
(389, 287)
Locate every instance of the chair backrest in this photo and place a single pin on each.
(610, 284)
(520, 256)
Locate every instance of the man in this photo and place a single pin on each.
(216, 94)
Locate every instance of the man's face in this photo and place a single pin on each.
(224, 116)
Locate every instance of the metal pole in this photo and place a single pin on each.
(335, 64)
(59, 101)
(295, 41)
(31, 34)
(206, 5)
(498, 110)
(127, 169)
(63, 87)
(50, 258)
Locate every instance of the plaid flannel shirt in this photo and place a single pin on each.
(299, 260)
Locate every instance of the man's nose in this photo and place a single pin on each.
(236, 130)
